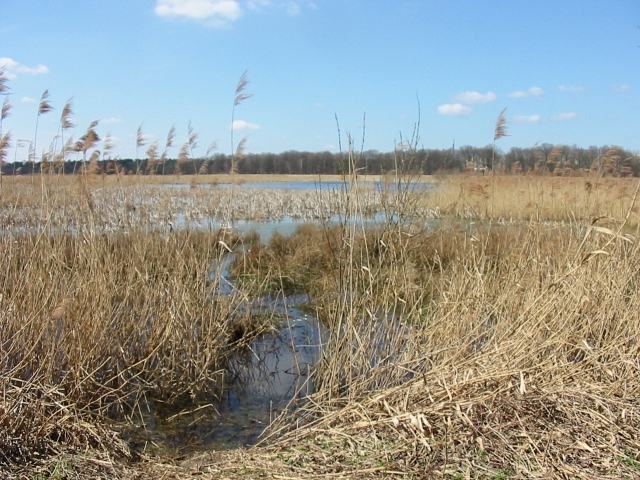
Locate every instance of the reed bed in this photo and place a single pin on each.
(498, 342)
(533, 198)
(488, 350)
(97, 325)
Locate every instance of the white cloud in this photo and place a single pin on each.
(527, 118)
(571, 88)
(258, 4)
(13, 68)
(28, 100)
(111, 120)
(292, 9)
(532, 92)
(474, 97)
(620, 88)
(213, 12)
(312, 6)
(564, 116)
(454, 110)
(242, 125)
(319, 105)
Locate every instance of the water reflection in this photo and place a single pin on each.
(265, 379)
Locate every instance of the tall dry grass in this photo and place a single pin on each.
(100, 323)
(535, 198)
(500, 348)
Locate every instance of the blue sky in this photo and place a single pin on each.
(568, 71)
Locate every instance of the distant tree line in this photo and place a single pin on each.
(544, 159)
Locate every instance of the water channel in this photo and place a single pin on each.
(267, 378)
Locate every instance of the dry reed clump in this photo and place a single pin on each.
(105, 317)
(43, 435)
(96, 323)
(535, 198)
(522, 363)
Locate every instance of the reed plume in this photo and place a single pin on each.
(3, 82)
(140, 142)
(500, 131)
(152, 158)
(43, 107)
(6, 108)
(65, 124)
(193, 143)
(86, 142)
(170, 138)
(240, 96)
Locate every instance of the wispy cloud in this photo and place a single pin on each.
(212, 12)
(13, 68)
(258, 4)
(564, 116)
(28, 100)
(620, 88)
(474, 97)
(571, 88)
(532, 92)
(292, 9)
(527, 118)
(242, 125)
(111, 120)
(319, 105)
(454, 110)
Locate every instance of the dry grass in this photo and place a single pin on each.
(536, 198)
(500, 348)
(495, 351)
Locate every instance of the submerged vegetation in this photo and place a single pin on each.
(484, 327)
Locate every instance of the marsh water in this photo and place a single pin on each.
(311, 185)
(267, 378)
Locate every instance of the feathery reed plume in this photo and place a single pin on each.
(65, 117)
(3, 82)
(501, 126)
(152, 158)
(87, 141)
(6, 108)
(239, 98)
(500, 131)
(43, 107)
(212, 148)
(183, 157)
(65, 124)
(5, 143)
(94, 167)
(193, 143)
(239, 154)
(4, 139)
(140, 142)
(107, 146)
(170, 138)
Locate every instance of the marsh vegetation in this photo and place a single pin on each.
(484, 328)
